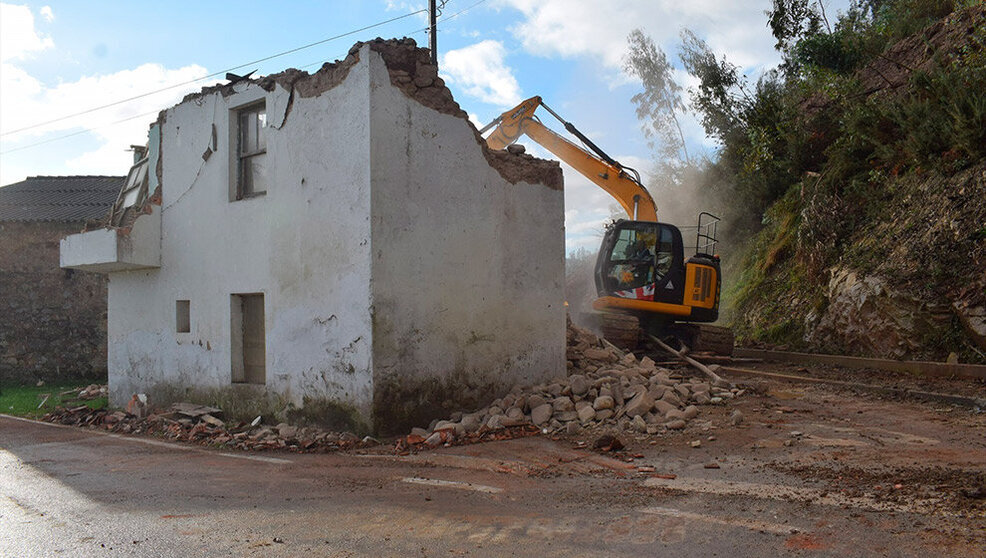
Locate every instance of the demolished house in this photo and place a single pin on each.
(342, 242)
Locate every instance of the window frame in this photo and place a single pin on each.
(238, 157)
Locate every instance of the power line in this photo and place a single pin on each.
(87, 130)
(214, 74)
(80, 132)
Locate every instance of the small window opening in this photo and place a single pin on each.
(251, 151)
(182, 322)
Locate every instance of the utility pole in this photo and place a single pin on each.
(433, 32)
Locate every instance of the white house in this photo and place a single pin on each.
(343, 242)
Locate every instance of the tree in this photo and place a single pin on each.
(792, 20)
(659, 105)
(720, 96)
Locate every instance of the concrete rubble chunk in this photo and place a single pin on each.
(603, 402)
(566, 416)
(534, 401)
(579, 384)
(640, 404)
(671, 399)
(604, 414)
(674, 414)
(664, 407)
(586, 414)
(562, 404)
(541, 414)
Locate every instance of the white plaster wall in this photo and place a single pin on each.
(468, 269)
(303, 244)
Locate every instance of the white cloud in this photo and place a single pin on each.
(479, 71)
(18, 38)
(26, 101)
(599, 29)
(47, 13)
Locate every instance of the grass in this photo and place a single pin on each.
(24, 401)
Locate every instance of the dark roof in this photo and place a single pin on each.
(59, 198)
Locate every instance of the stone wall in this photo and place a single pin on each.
(52, 321)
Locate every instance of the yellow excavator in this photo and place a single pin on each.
(643, 282)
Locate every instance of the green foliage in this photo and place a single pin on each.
(719, 97)
(827, 163)
(24, 401)
(791, 21)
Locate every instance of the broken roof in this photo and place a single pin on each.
(59, 198)
(411, 72)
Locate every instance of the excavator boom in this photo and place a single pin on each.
(600, 168)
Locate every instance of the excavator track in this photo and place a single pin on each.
(622, 330)
(705, 338)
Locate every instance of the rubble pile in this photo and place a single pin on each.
(187, 422)
(605, 388)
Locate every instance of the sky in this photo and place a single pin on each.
(59, 59)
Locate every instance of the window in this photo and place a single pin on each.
(251, 151)
(642, 254)
(182, 322)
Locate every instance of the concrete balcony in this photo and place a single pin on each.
(116, 249)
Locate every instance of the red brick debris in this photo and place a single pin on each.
(198, 424)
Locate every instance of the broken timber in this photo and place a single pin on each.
(681, 354)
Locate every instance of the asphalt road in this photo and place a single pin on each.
(66, 491)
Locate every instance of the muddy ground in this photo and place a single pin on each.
(810, 470)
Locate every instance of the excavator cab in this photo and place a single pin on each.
(641, 269)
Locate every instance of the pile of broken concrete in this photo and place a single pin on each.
(606, 389)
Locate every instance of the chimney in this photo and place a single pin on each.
(140, 151)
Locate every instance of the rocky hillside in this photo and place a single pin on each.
(880, 248)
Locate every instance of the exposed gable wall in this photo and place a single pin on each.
(468, 267)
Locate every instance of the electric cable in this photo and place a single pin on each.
(214, 74)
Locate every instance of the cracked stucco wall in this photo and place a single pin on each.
(299, 245)
(393, 249)
(468, 267)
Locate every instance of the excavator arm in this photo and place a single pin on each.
(598, 167)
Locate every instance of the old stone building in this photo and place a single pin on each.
(52, 320)
(342, 241)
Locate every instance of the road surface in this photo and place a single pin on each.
(810, 471)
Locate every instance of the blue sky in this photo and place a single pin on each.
(60, 58)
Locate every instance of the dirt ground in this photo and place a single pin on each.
(810, 470)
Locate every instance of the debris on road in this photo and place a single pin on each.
(606, 389)
(187, 422)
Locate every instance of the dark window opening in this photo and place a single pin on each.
(251, 151)
(183, 322)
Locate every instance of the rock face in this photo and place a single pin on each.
(865, 313)
(973, 318)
